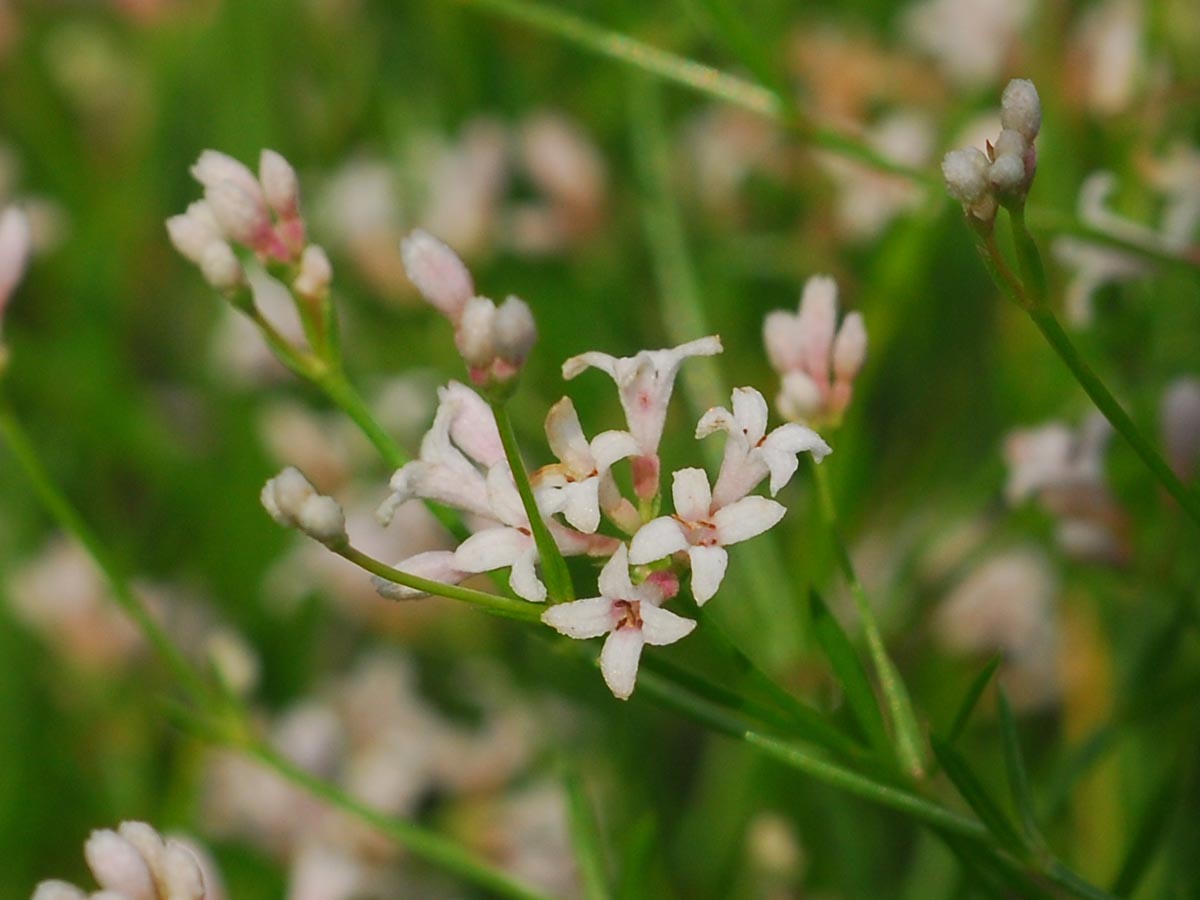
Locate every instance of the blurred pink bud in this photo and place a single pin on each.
(316, 273)
(438, 273)
(191, 232)
(242, 215)
(221, 267)
(850, 347)
(214, 167)
(279, 184)
(14, 251)
(514, 332)
(118, 866)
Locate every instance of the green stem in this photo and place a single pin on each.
(554, 567)
(419, 841)
(904, 720)
(337, 388)
(495, 604)
(72, 522)
(1107, 404)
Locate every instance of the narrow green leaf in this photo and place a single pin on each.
(1148, 836)
(971, 700)
(978, 798)
(851, 674)
(585, 835)
(1018, 776)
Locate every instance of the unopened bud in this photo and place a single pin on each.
(214, 167)
(292, 501)
(475, 334)
(221, 267)
(279, 183)
(1010, 143)
(316, 273)
(850, 347)
(514, 331)
(58, 890)
(118, 866)
(1007, 172)
(322, 518)
(799, 398)
(1021, 109)
(966, 172)
(191, 232)
(242, 215)
(438, 273)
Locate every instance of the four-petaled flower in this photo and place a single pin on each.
(703, 530)
(645, 383)
(631, 616)
(750, 453)
(580, 484)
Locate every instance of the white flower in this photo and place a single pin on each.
(703, 530)
(629, 614)
(817, 361)
(581, 480)
(750, 453)
(134, 863)
(644, 383)
(462, 439)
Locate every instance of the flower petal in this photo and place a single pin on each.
(750, 413)
(619, 661)
(581, 619)
(657, 539)
(692, 495)
(661, 626)
(610, 446)
(581, 504)
(436, 565)
(591, 360)
(503, 497)
(748, 517)
(708, 570)
(523, 578)
(818, 319)
(779, 452)
(716, 419)
(614, 577)
(566, 439)
(492, 548)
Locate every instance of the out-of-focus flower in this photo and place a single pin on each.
(1181, 425)
(1105, 57)
(644, 383)
(465, 186)
(702, 530)
(1064, 469)
(15, 246)
(725, 145)
(1006, 605)
(816, 360)
(969, 39)
(631, 616)
(135, 863)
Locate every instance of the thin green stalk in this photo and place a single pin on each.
(72, 522)
(696, 76)
(585, 834)
(904, 721)
(554, 567)
(495, 604)
(1107, 404)
(421, 842)
(337, 387)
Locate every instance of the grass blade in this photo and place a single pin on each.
(1147, 837)
(971, 700)
(1018, 776)
(978, 798)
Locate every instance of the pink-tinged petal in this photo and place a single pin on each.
(566, 439)
(747, 518)
(472, 424)
(619, 661)
(818, 319)
(118, 866)
(610, 446)
(716, 419)
(591, 360)
(575, 543)
(783, 338)
(850, 347)
(435, 565)
(581, 506)
(657, 539)
(708, 571)
(750, 413)
(581, 619)
(503, 497)
(179, 874)
(492, 548)
(614, 577)
(438, 273)
(692, 495)
(661, 626)
(523, 578)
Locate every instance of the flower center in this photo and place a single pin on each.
(630, 612)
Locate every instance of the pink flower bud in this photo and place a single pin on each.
(513, 331)
(438, 273)
(475, 334)
(221, 267)
(850, 347)
(14, 251)
(279, 184)
(118, 866)
(214, 167)
(193, 231)
(242, 215)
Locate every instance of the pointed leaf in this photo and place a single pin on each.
(978, 798)
(971, 699)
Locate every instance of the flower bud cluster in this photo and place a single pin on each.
(493, 341)
(817, 361)
(982, 181)
(293, 502)
(135, 863)
(260, 213)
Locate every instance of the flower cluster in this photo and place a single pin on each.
(260, 213)
(135, 863)
(983, 181)
(816, 360)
